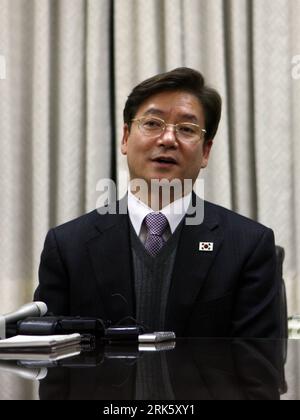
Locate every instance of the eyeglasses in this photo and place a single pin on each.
(155, 127)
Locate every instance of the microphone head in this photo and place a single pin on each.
(42, 307)
(27, 310)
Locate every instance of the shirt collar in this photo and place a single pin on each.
(174, 212)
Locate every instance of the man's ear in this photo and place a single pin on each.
(206, 153)
(124, 142)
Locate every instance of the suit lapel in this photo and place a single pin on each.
(110, 255)
(191, 269)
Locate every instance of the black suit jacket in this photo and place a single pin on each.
(86, 270)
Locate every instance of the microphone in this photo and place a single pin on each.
(27, 310)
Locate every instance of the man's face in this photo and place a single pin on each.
(145, 154)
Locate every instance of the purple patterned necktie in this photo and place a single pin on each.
(156, 224)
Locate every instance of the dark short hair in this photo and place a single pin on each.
(184, 79)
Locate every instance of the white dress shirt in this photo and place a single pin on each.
(174, 212)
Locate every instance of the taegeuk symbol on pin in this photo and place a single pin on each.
(206, 246)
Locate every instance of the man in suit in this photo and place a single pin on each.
(213, 278)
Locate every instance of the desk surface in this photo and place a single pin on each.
(190, 369)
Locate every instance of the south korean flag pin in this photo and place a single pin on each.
(206, 246)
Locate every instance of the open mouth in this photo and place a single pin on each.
(165, 160)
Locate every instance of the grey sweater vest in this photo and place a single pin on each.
(152, 280)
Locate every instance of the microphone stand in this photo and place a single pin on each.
(2, 327)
